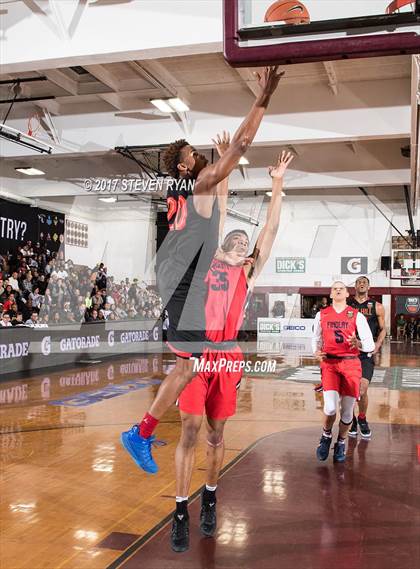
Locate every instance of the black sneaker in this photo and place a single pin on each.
(180, 534)
(339, 452)
(208, 519)
(323, 448)
(364, 428)
(318, 388)
(353, 428)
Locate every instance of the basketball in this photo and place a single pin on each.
(288, 12)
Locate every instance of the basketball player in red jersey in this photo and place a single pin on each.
(185, 257)
(214, 389)
(337, 347)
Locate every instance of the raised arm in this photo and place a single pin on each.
(222, 143)
(268, 234)
(212, 175)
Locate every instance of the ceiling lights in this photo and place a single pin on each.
(270, 193)
(30, 171)
(110, 199)
(173, 105)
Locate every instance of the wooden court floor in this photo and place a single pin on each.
(71, 497)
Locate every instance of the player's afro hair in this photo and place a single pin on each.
(171, 157)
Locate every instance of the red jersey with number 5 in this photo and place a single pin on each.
(337, 328)
(227, 291)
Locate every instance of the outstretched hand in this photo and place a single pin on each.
(232, 258)
(268, 79)
(222, 142)
(283, 162)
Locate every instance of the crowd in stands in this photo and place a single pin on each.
(408, 328)
(38, 289)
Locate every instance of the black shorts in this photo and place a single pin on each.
(183, 295)
(368, 366)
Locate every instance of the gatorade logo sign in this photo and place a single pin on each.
(14, 350)
(354, 265)
(46, 345)
(412, 304)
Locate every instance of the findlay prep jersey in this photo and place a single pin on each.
(227, 291)
(192, 239)
(337, 329)
(368, 309)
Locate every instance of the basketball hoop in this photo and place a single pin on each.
(34, 124)
(396, 5)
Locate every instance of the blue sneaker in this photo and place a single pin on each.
(140, 449)
(323, 448)
(339, 451)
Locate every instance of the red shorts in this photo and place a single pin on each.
(214, 389)
(343, 376)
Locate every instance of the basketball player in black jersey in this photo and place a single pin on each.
(185, 257)
(375, 314)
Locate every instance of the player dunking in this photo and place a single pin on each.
(375, 315)
(336, 346)
(214, 389)
(186, 256)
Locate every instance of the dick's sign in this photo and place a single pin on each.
(290, 265)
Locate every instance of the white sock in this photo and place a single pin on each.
(181, 498)
(211, 488)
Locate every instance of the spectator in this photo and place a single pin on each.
(33, 320)
(400, 326)
(36, 298)
(411, 329)
(18, 319)
(45, 319)
(106, 310)
(13, 310)
(8, 303)
(13, 281)
(27, 283)
(324, 303)
(5, 320)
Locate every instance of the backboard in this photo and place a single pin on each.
(405, 264)
(327, 30)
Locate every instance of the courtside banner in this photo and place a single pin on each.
(27, 349)
(18, 224)
(285, 328)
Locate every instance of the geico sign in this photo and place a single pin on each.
(15, 350)
(294, 327)
(79, 343)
